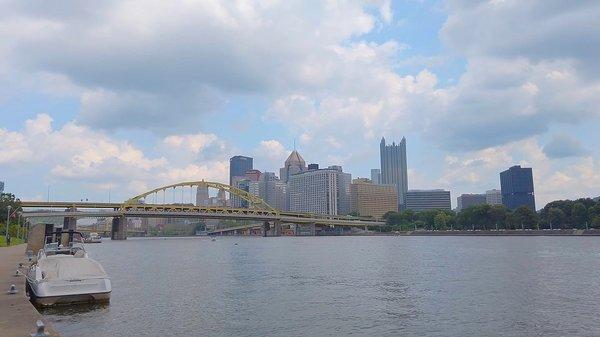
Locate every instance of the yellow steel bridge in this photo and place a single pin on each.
(149, 205)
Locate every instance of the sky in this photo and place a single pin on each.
(120, 97)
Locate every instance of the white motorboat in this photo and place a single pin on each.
(67, 275)
(93, 238)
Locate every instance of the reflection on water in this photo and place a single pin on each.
(73, 309)
(336, 286)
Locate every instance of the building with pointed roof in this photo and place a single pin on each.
(393, 168)
(294, 164)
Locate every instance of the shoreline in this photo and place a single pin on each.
(17, 315)
(532, 232)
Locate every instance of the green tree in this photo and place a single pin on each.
(408, 215)
(579, 215)
(441, 221)
(6, 200)
(524, 217)
(595, 222)
(594, 215)
(556, 217)
(498, 215)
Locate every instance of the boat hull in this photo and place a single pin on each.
(65, 292)
(71, 299)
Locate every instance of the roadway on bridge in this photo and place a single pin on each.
(187, 211)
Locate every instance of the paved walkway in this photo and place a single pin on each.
(17, 314)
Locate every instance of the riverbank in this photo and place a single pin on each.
(561, 232)
(17, 315)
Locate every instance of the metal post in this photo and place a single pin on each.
(7, 224)
(40, 330)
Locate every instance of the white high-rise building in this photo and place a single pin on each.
(322, 191)
(493, 197)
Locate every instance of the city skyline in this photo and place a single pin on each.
(128, 113)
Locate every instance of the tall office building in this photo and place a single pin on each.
(238, 165)
(323, 191)
(374, 200)
(393, 168)
(468, 200)
(516, 184)
(1, 186)
(293, 164)
(202, 197)
(271, 189)
(493, 197)
(244, 183)
(427, 200)
(376, 176)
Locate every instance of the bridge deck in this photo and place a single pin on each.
(188, 211)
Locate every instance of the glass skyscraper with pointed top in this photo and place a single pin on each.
(393, 168)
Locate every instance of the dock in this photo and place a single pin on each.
(18, 316)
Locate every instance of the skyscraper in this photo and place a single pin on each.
(244, 183)
(294, 164)
(516, 184)
(238, 165)
(271, 189)
(376, 176)
(202, 197)
(323, 191)
(1, 187)
(393, 168)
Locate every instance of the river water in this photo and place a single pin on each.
(337, 286)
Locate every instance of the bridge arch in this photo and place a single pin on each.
(253, 200)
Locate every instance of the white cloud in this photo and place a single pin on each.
(269, 155)
(78, 154)
(530, 66)
(14, 147)
(133, 61)
(194, 143)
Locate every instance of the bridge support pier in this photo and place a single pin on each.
(119, 228)
(313, 229)
(274, 230)
(70, 222)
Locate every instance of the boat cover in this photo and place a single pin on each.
(67, 267)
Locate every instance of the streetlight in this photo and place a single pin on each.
(19, 226)
(7, 223)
